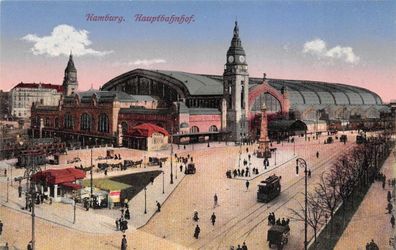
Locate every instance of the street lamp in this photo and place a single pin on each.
(301, 163)
(145, 200)
(163, 182)
(294, 146)
(91, 181)
(171, 159)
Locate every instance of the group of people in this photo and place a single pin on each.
(243, 247)
(273, 221)
(244, 172)
(372, 246)
(122, 222)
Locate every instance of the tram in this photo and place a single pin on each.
(269, 188)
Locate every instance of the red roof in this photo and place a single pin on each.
(59, 176)
(58, 88)
(71, 185)
(147, 129)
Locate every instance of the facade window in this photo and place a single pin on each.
(86, 122)
(103, 123)
(69, 121)
(272, 104)
(213, 128)
(47, 122)
(194, 129)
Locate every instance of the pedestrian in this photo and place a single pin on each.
(317, 154)
(244, 247)
(239, 247)
(383, 182)
(215, 200)
(160, 164)
(197, 231)
(117, 224)
(213, 218)
(152, 180)
(1, 227)
(389, 196)
(30, 246)
(239, 172)
(309, 173)
(392, 221)
(6, 246)
(278, 222)
(269, 219)
(123, 243)
(127, 214)
(283, 223)
(390, 207)
(158, 207)
(19, 191)
(243, 172)
(181, 168)
(105, 172)
(247, 185)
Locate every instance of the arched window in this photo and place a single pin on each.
(124, 127)
(56, 122)
(47, 122)
(272, 104)
(213, 128)
(86, 122)
(68, 121)
(103, 125)
(194, 129)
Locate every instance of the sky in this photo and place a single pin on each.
(352, 42)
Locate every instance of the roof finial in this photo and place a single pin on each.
(71, 54)
(236, 29)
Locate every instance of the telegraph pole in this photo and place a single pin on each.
(91, 180)
(301, 163)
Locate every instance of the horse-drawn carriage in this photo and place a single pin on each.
(278, 235)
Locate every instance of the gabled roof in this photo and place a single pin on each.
(147, 130)
(59, 176)
(58, 88)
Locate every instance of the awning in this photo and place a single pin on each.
(71, 185)
(59, 176)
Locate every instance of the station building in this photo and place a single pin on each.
(198, 107)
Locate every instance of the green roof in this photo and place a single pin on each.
(195, 83)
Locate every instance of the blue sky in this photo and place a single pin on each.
(273, 33)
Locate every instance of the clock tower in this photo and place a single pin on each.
(236, 90)
(70, 82)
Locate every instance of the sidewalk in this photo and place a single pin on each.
(99, 220)
(371, 220)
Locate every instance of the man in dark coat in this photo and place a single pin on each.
(213, 218)
(1, 227)
(19, 191)
(123, 243)
(244, 247)
(392, 221)
(127, 214)
(197, 231)
(158, 207)
(247, 185)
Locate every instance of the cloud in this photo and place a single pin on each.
(141, 62)
(319, 48)
(63, 39)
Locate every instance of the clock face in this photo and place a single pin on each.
(241, 59)
(230, 59)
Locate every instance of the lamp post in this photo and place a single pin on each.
(74, 207)
(301, 163)
(294, 146)
(163, 182)
(8, 180)
(145, 200)
(91, 180)
(171, 159)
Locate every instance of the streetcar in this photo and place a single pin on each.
(269, 189)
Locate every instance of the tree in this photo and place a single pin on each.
(315, 213)
(326, 191)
